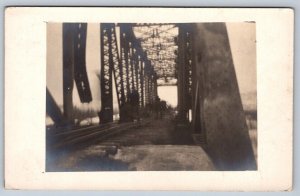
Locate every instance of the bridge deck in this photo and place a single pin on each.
(158, 145)
(157, 132)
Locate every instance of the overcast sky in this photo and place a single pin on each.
(242, 41)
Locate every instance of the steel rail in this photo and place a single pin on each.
(93, 133)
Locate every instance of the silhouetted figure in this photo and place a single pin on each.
(163, 107)
(134, 102)
(105, 115)
(157, 107)
(125, 112)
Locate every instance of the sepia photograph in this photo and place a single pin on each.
(151, 97)
(197, 99)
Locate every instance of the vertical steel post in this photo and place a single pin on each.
(196, 88)
(142, 77)
(126, 46)
(184, 71)
(126, 55)
(188, 70)
(124, 61)
(68, 71)
(130, 67)
(152, 98)
(125, 71)
(150, 89)
(132, 64)
(180, 79)
(146, 82)
(136, 71)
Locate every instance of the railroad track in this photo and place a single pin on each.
(91, 134)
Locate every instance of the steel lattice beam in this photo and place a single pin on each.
(184, 71)
(106, 113)
(188, 64)
(125, 62)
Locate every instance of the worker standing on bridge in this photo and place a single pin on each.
(134, 101)
(163, 108)
(157, 107)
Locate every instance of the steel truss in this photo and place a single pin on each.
(109, 64)
(129, 70)
(135, 69)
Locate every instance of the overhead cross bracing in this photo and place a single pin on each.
(159, 43)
